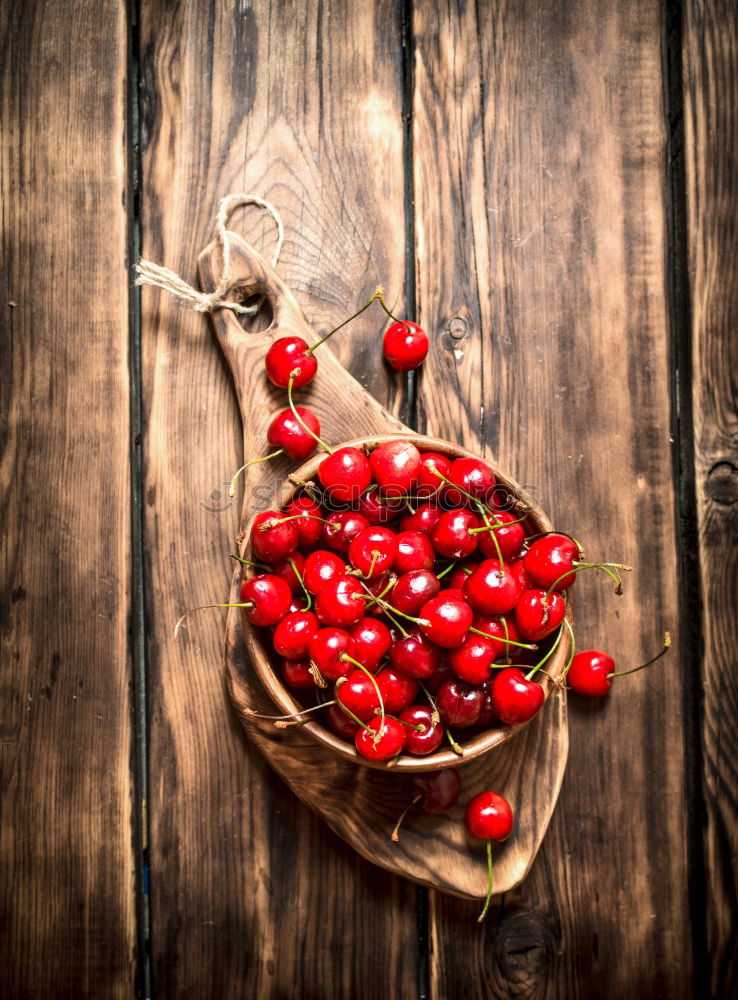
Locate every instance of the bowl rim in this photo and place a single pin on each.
(261, 658)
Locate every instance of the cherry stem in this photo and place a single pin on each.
(634, 670)
(254, 565)
(385, 607)
(395, 835)
(604, 567)
(440, 576)
(508, 642)
(254, 461)
(493, 536)
(419, 728)
(204, 607)
(341, 325)
(379, 296)
(375, 555)
(548, 655)
(436, 718)
(569, 662)
(275, 522)
(496, 525)
(508, 661)
(483, 914)
(308, 595)
(355, 718)
(253, 714)
(372, 678)
(299, 419)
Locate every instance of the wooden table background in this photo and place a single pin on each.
(550, 188)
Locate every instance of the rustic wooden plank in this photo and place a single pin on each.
(539, 157)
(251, 894)
(710, 74)
(67, 897)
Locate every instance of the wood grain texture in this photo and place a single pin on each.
(710, 66)
(67, 883)
(538, 147)
(251, 894)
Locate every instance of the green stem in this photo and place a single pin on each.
(395, 835)
(604, 567)
(436, 718)
(548, 655)
(483, 914)
(341, 325)
(569, 662)
(254, 461)
(508, 642)
(351, 715)
(299, 419)
(379, 296)
(254, 565)
(307, 593)
(372, 678)
(204, 607)
(634, 670)
(440, 576)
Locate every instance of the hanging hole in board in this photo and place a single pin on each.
(255, 298)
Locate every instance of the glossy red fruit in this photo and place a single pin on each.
(320, 567)
(514, 698)
(487, 716)
(405, 345)
(415, 655)
(378, 509)
(298, 603)
(372, 640)
(414, 551)
(424, 519)
(342, 528)
(345, 474)
(472, 661)
(296, 675)
(520, 573)
(340, 723)
(589, 673)
(494, 625)
(423, 741)
(289, 568)
(395, 466)
(510, 537)
(397, 689)
(359, 695)
(326, 651)
(451, 536)
(270, 597)
(439, 790)
(270, 541)
(445, 619)
(413, 590)
(373, 551)
(457, 578)
(538, 615)
(386, 741)
(551, 557)
(442, 674)
(492, 589)
(293, 634)
(459, 704)
(285, 356)
(379, 585)
(429, 484)
(340, 602)
(489, 817)
(474, 476)
(308, 530)
(285, 431)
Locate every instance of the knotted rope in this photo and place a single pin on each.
(161, 277)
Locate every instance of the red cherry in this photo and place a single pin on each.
(492, 588)
(340, 602)
(373, 551)
(439, 789)
(320, 567)
(489, 817)
(397, 690)
(510, 538)
(494, 625)
(413, 590)
(343, 526)
(285, 356)
(270, 597)
(379, 585)
(372, 641)
(457, 578)
(472, 661)
(298, 603)
(459, 704)
(345, 474)
(326, 651)
(405, 348)
(520, 573)
(426, 740)
(293, 634)
(451, 536)
(395, 466)
(359, 695)
(308, 530)
(442, 674)
(386, 741)
(378, 509)
(473, 476)
(428, 483)
(552, 557)
(538, 615)
(289, 568)
(515, 699)
(415, 656)
(445, 619)
(271, 541)
(589, 673)
(340, 723)
(296, 675)
(424, 519)
(285, 431)
(414, 551)
(488, 716)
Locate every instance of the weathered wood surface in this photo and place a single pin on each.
(67, 893)
(710, 67)
(539, 190)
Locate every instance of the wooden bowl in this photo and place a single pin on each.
(262, 657)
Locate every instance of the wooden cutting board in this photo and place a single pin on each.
(361, 804)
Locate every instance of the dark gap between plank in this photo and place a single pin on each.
(410, 408)
(139, 750)
(682, 428)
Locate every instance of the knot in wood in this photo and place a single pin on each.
(458, 328)
(722, 483)
(524, 948)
